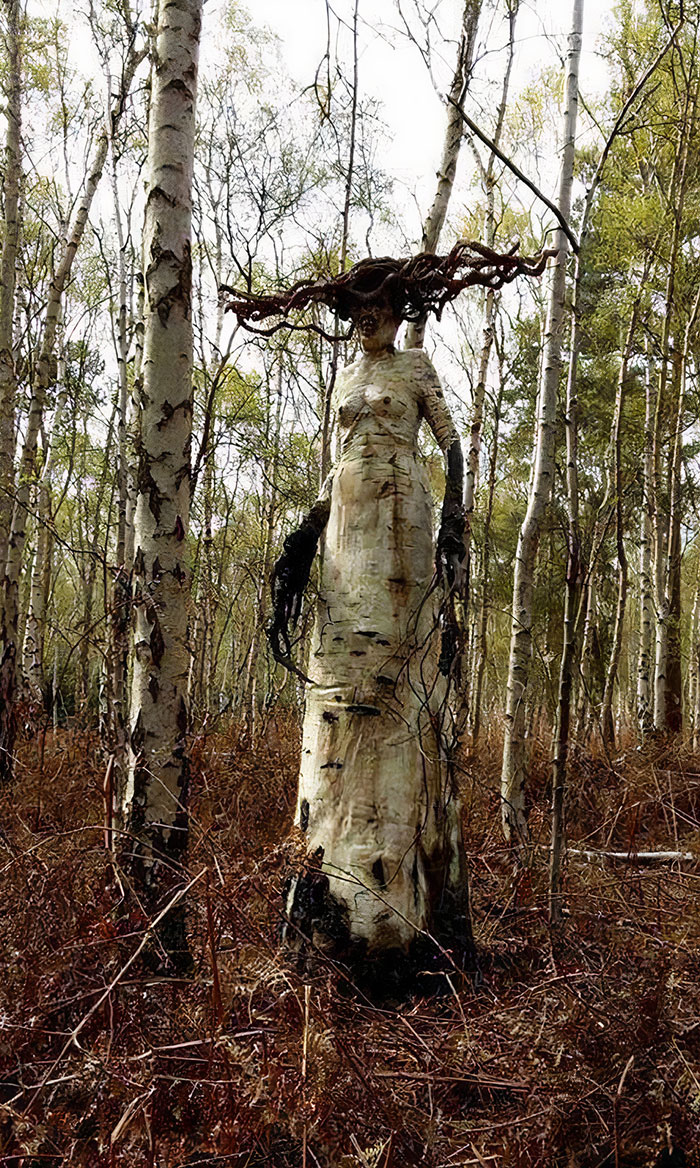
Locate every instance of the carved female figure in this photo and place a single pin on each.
(377, 800)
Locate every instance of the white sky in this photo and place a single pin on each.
(391, 69)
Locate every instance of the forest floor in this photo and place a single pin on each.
(580, 1050)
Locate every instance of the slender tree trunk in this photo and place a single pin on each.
(42, 381)
(662, 491)
(514, 748)
(326, 426)
(673, 706)
(472, 467)
(606, 717)
(694, 666)
(8, 269)
(450, 151)
(645, 706)
(562, 725)
(8, 377)
(33, 650)
(482, 638)
(119, 601)
(155, 811)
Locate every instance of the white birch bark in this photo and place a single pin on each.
(8, 266)
(450, 151)
(615, 493)
(42, 379)
(472, 467)
(645, 704)
(114, 720)
(481, 639)
(513, 775)
(33, 647)
(154, 810)
(662, 490)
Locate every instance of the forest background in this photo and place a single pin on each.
(319, 129)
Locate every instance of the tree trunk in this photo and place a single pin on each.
(155, 809)
(645, 705)
(482, 638)
(490, 303)
(694, 667)
(34, 629)
(663, 535)
(450, 150)
(513, 775)
(119, 602)
(606, 717)
(42, 381)
(8, 270)
(673, 706)
(562, 724)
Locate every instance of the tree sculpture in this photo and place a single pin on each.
(377, 801)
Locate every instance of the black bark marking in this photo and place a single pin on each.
(304, 814)
(378, 873)
(331, 766)
(179, 529)
(138, 736)
(153, 687)
(365, 711)
(147, 485)
(177, 85)
(329, 716)
(182, 719)
(158, 193)
(156, 642)
(168, 412)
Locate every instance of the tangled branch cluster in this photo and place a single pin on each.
(412, 287)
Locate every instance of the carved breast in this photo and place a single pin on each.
(380, 397)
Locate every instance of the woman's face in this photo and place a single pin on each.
(377, 327)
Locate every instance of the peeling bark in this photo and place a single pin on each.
(155, 804)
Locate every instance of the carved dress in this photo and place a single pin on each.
(373, 790)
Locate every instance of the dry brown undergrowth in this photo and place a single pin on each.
(579, 1055)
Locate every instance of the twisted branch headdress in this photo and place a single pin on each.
(412, 287)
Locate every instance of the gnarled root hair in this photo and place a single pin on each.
(413, 287)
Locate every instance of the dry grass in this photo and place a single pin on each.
(578, 1052)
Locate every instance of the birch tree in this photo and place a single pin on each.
(44, 368)
(154, 811)
(514, 769)
(8, 267)
(454, 131)
(8, 379)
